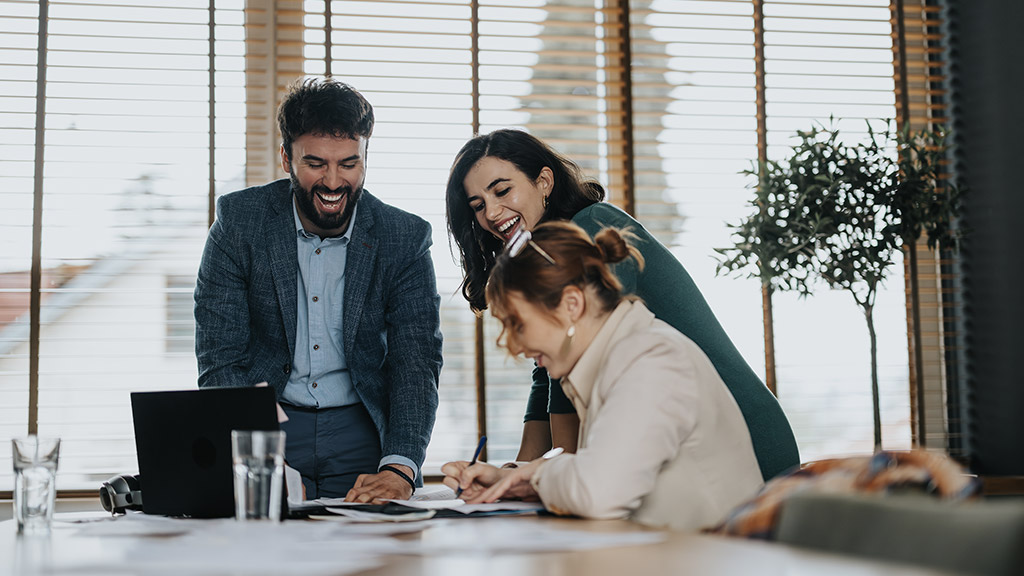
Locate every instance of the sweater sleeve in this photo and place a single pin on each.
(537, 404)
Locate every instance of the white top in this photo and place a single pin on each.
(661, 438)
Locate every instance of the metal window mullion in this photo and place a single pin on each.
(37, 224)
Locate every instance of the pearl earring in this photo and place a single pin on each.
(570, 337)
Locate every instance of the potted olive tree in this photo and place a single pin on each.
(839, 212)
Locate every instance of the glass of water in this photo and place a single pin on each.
(258, 459)
(35, 488)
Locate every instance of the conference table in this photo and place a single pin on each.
(85, 543)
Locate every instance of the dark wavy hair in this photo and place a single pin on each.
(323, 106)
(478, 248)
(579, 261)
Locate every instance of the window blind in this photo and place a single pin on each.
(692, 105)
(126, 190)
(18, 42)
(556, 70)
(695, 130)
(412, 61)
(127, 182)
(827, 60)
(694, 80)
(922, 104)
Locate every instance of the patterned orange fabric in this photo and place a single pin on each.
(886, 471)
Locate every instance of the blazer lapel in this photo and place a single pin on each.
(362, 253)
(281, 250)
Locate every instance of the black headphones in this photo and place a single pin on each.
(121, 493)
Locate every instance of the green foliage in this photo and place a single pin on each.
(838, 212)
(923, 200)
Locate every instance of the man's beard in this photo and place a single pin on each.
(307, 207)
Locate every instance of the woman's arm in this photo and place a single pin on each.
(536, 440)
(542, 431)
(565, 430)
(539, 436)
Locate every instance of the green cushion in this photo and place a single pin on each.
(973, 537)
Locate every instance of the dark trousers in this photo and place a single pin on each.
(330, 447)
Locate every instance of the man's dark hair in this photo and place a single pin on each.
(324, 107)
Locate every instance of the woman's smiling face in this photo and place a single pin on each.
(540, 335)
(503, 198)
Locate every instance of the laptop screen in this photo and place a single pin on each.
(183, 440)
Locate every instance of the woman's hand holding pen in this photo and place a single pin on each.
(482, 477)
(482, 482)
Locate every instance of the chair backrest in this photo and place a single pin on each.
(972, 537)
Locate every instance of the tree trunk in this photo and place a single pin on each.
(876, 411)
(769, 338)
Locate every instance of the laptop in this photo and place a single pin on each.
(183, 440)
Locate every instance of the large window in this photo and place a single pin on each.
(117, 98)
(121, 124)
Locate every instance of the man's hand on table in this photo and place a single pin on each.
(381, 486)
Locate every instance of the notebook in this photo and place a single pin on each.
(183, 440)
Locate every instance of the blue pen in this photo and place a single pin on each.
(476, 454)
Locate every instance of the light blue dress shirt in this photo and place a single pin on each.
(320, 376)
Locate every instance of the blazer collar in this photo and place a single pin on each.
(359, 266)
(284, 266)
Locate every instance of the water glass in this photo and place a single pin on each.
(35, 488)
(258, 458)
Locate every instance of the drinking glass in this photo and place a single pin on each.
(35, 488)
(258, 458)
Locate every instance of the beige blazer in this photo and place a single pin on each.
(662, 440)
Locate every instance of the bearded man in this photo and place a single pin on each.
(315, 286)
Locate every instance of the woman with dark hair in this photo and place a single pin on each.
(507, 181)
(662, 440)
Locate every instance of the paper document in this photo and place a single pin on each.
(380, 516)
(433, 492)
(334, 502)
(460, 506)
(440, 497)
(501, 506)
(293, 482)
(425, 493)
(428, 498)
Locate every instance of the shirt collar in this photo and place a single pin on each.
(302, 231)
(584, 374)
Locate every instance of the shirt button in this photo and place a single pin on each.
(317, 250)
(316, 298)
(314, 384)
(287, 368)
(316, 346)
